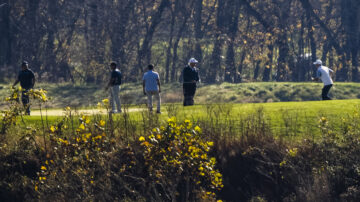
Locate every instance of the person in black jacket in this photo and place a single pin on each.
(26, 78)
(190, 78)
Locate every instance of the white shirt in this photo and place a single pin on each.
(151, 79)
(324, 74)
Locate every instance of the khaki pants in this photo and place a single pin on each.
(114, 98)
(156, 94)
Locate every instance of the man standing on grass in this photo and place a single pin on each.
(151, 87)
(114, 85)
(26, 78)
(323, 73)
(190, 77)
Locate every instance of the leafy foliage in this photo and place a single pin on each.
(177, 157)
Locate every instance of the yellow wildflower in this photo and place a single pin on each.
(197, 129)
(43, 168)
(145, 143)
(141, 139)
(293, 152)
(105, 101)
(82, 127)
(42, 178)
(52, 129)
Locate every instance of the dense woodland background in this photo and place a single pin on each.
(234, 40)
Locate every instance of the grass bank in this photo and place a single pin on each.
(88, 95)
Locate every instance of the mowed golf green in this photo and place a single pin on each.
(295, 119)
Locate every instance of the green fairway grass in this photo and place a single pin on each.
(295, 120)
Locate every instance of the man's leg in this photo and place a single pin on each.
(157, 96)
(112, 99)
(26, 101)
(186, 94)
(191, 88)
(117, 98)
(325, 92)
(149, 95)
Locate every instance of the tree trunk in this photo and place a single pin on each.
(170, 42)
(282, 42)
(145, 50)
(198, 31)
(268, 64)
(5, 34)
(215, 64)
(176, 45)
(238, 78)
(233, 22)
(118, 32)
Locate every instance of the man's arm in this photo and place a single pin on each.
(158, 83)
(112, 79)
(33, 80)
(186, 75)
(318, 75)
(16, 82)
(144, 87)
(197, 76)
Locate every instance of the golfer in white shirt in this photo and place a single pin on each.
(323, 73)
(151, 87)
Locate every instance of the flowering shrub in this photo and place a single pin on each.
(76, 160)
(177, 158)
(9, 117)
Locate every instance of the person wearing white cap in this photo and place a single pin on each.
(190, 77)
(323, 73)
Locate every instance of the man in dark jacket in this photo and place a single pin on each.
(114, 85)
(26, 78)
(190, 77)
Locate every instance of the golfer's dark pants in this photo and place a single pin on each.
(325, 92)
(189, 92)
(26, 101)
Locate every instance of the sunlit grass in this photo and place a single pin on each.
(287, 119)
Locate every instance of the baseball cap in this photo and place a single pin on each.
(317, 62)
(113, 63)
(193, 60)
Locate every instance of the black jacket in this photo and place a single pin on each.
(190, 74)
